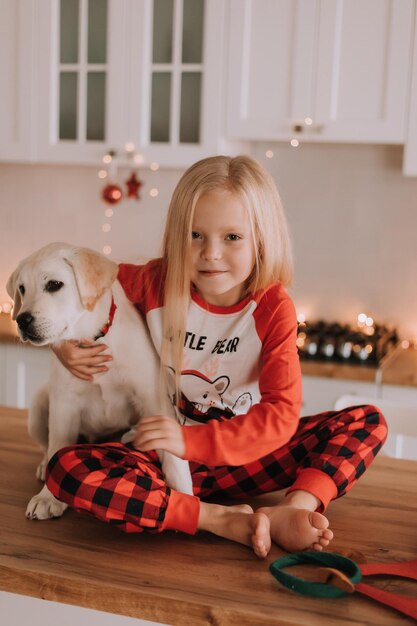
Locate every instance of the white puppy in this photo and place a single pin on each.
(64, 292)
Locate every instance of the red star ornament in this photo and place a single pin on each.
(133, 186)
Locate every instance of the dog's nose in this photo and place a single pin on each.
(24, 320)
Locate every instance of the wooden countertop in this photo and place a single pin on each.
(399, 368)
(178, 579)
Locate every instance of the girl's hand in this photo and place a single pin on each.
(83, 358)
(160, 432)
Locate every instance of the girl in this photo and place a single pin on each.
(225, 327)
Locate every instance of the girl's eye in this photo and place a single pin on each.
(53, 285)
(195, 235)
(233, 237)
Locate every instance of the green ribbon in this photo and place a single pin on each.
(309, 588)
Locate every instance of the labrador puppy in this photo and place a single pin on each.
(64, 292)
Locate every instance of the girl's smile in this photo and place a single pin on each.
(222, 249)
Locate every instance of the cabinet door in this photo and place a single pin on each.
(325, 70)
(271, 67)
(26, 369)
(175, 102)
(16, 50)
(363, 64)
(80, 89)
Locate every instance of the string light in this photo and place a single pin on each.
(107, 159)
(102, 174)
(139, 159)
(295, 143)
(129, 146)
(153, 192)
(106, 250)
(154, 166)
(109, 212)
(308, 121)
(106, 228)
(269, 154)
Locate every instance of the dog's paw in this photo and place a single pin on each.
(45, 506)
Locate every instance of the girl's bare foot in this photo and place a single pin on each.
(238, 523)
(294, 528)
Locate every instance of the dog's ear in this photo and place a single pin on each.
(94, 274)
(13, 291)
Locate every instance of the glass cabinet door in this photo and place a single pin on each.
(82, 70)
(177, 69)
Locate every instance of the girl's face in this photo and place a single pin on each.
(222, 249)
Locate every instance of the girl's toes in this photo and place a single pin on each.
(316, 546)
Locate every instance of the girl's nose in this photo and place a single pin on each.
(211, 251)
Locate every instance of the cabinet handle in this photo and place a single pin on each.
(307, 125)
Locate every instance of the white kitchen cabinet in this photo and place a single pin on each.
(410, 151)
(107, 73)
(321, 393)
(17, 53)
(323, 70)
(23, 369)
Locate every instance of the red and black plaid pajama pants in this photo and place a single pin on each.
(125, 487)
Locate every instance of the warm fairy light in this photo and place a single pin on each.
(362, 317)
(153, 192)
(107, 158)
(308, 121)
(269, 154)
(368, 348)
(369, 321)
(109, 212)
(106, 250)
(102, 174)
(295, 143)
(138, 158)
(154, 166)
(129, 146)
(106, 228)
(300, 341)
(301, 318)
(405, 344)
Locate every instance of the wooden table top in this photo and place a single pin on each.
(178, 579)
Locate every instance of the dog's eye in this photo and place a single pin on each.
(53, 285)
(22, 290)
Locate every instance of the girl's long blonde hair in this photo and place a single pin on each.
(246, 179)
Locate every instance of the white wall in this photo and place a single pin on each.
(352, 214)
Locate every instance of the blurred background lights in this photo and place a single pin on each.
(106, 250)
(295, 143)
(138, 159)
(109, 212)
(102, 174)
(107, 158)
(269, 154)
(153, 192)
(154, 166)
(308, 121)
(106, 228)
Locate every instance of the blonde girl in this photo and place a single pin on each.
(225, 327)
